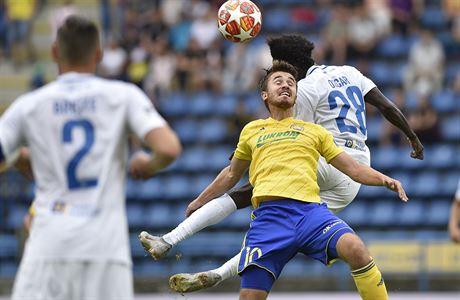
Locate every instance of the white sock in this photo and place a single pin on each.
(209, 214)
(229, 269)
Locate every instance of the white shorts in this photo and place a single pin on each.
(68, 280)
(337, 190)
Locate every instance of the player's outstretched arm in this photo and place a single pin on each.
(366, 175)
(166, 148)
(392, 113)
(226, 179)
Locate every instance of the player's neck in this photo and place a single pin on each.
(63, 68)
(280, 113)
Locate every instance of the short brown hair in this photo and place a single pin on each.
(278, 66)
(77, 39)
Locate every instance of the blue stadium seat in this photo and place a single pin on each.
(132, 188)
(443, 101)
(159, 215)
(150, 189)
(386, 157)
(426, 184)
(9, 246)
(449, 183)
(150, 268)
(370, 192)
(407, 162)
(187, 130)
(434, 18)
(199, 183)
(176, 104)
(202, 104)
(382, 213)
(275, 19)
(355, 214)
(393, 46)
(440, 156)
(16, 216)
(411, 101)
(452, 70)
(8, 269)
(212, 244)
(438, 213)
(136, 214)
(239, 219)
(431, 235)
(176, 187)
(218, 158)
(213, 131)
(194, 159)
(451, 128)
(136, 248)
(385, 74)
(226, 105)
(374, 128)
(411, 213)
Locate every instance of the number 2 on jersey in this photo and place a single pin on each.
(72, 181)
(354, 96)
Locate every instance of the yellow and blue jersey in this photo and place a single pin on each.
(284, 157)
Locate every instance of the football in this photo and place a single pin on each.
(239, 21)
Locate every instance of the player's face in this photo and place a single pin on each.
(281, 90)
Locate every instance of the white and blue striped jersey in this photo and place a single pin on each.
(333, 97)
(76, 129)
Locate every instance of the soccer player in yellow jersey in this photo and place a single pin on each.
(282, 154)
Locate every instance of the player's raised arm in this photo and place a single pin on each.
(226, 179)
(366, 175)
(392, 113)
(166, 148)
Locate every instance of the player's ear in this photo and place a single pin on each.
(55, 52)
(99, 55)
(264, 95)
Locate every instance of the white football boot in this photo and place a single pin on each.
(190, 282)
(155, 245)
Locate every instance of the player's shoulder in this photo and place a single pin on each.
(308, 127)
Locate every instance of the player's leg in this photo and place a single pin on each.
(256, 283)
(190, 282)
(107, 280)
(365, 272)
(209, 214)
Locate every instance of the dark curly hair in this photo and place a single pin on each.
(294, 49)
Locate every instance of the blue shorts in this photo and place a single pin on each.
(282, 228)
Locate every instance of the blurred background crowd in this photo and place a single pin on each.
(206, 88)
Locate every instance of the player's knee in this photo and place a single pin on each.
(252, 294)
(352, 249)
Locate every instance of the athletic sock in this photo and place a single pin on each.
(369, 282)
(229, 269)
(209, 214)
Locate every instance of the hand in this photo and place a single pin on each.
(193, 206)
(139, 166)
(417, 148)
(395, 186)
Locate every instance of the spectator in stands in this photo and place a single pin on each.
(389, 134)
(454, 220)
(404, 12)
(59, 14)
(425, 71)
(363, 33)
(452, 10)
(20, 16)
(113, 64)
(161, 68)
(203, 29)
(381, 14)
(425, 122)
(334, 37)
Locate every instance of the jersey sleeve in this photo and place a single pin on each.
(307, 100)
(11, 132)
(142, 115)
(327, 148)
(243, 150)
(366, 84)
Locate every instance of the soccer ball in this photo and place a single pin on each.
(239, 20)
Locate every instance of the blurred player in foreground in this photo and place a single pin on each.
(282, 156)
(76, 129)
(454, 221)
(331, 96)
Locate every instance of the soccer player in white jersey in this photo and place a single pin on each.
(76, 129)
(331, 96)
(454, 220)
